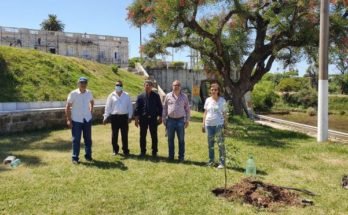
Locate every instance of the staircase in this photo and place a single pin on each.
(139, 70)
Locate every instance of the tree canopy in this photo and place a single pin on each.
(52, 24)
(240, 39)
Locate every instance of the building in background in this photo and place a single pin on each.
(100, 48)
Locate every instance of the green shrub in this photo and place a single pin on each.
(311, 111)
(155, 64)
(177, 65)
(342, 112)
(306, 97)
(114, 68)
(263, 96)
(290, 85)
(134, 60)
(338, 103)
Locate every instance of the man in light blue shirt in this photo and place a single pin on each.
(78, 111)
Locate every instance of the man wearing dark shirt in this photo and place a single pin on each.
(148, 114)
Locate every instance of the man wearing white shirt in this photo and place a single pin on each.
(78, 111)
(119, 111)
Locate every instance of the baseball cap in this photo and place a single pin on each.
(83, 79)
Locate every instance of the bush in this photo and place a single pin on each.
(290, 85)
(342, 112)
(305, 98)
(311, 111)
(132, 61)
(263, 96)
(177, 65)
(114, 68)
(155, 64)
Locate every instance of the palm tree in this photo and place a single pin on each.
(52, 24)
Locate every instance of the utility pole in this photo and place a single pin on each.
(140, 48)
(323, 127)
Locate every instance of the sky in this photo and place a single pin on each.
(105, 17)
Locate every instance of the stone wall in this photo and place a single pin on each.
(20, 121)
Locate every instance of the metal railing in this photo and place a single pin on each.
(301, 127)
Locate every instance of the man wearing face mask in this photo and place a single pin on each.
(119, 111)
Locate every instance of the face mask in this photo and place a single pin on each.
(118, 89)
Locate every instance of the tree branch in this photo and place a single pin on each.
(223, 21)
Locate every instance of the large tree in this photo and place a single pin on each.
(52, 24)
(240, 39)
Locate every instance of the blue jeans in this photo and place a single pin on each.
(77, 129)
(178, 126)
(215, 134)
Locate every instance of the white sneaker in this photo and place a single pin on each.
(221, 166)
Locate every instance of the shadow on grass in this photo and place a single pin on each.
(242, 170)
(196, 119)
(26, 160)
(13, 143)
(3, 168)
(56, 145)
(106, 165)
(261, 135)
(164, 159)
(30, 160)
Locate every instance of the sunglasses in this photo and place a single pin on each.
(118, 85)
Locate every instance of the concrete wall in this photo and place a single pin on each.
(165, 77)
(101, 48)
(20, 121)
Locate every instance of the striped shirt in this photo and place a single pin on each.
(176, 106)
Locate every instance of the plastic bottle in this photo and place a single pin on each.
(250, 169)
(15, 163)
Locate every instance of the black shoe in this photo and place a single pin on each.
(126, 153)
(89, 159)
(154, 154)
(142, 155)
(75, 162)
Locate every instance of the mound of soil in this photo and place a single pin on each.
(259, 194)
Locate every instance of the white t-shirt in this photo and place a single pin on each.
(215, 111)
(80, 105)
(118, 105)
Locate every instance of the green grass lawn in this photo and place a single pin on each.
(31, 75)
(47, 182)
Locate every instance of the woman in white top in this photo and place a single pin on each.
(214, 120)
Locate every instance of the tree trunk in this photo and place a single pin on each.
(233, 94)
(235, 97)
(237, 104)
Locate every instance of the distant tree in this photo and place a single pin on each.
(238, 37)
(342, 82)
(289, 85)
(340, 60)
(291, 73)
(312, 73)
(52, 24)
